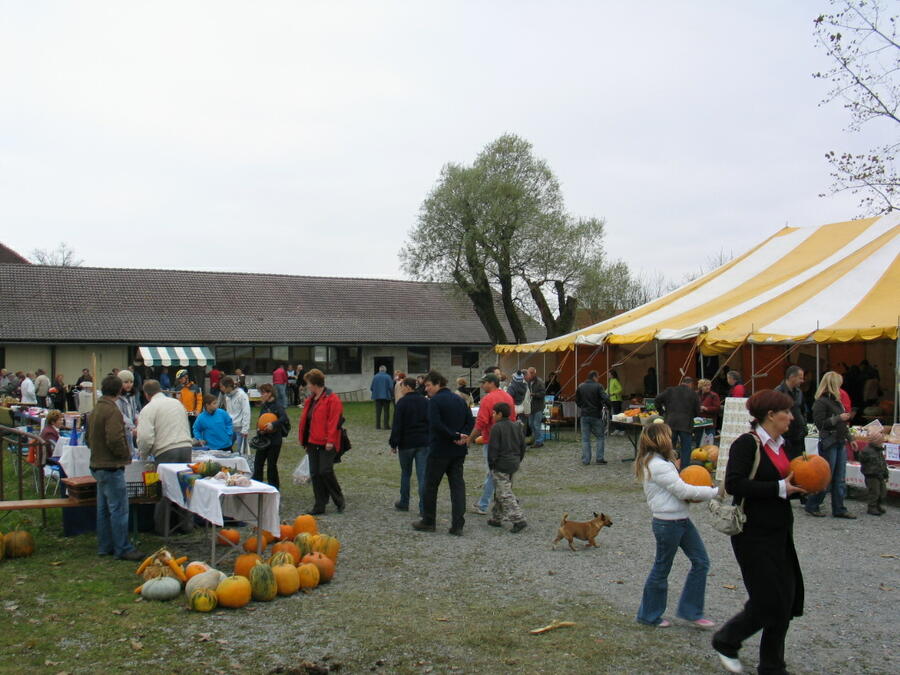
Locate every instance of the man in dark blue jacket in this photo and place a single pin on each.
(449, 423)
(382, 393)
(409, 440)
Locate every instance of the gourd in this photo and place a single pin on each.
(324, 563)
(287, 579)
(210, 580)
(229, 536)
(286, 532)
(712, 453)
(203, 600)
(700, 455)
(309, 575)
(282, 558)
(208, 468)
(305, 523)
(288, 547)
(2, 546)
(326, 544)
(264, 419)
(250, 544)
(811, 472)
(194, 568)
(262, 583)
(158, 569)
(18, 544)
(233, 592)
(304, 543)
(161, 588)
(696, 475)
(245, 563)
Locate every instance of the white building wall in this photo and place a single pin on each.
(27, 358)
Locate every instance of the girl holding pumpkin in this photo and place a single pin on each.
(668, 496)
(758, 473)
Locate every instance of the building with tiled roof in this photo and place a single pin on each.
(7, 255)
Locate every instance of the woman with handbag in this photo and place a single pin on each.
(668, 496)
(758, 473)
(320, 434)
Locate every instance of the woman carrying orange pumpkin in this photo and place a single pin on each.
(758, 473)
(320, 434)
(271, 434)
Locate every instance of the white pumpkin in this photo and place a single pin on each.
(161, 588)
(209, 579)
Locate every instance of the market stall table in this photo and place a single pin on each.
(854, 475)
(75, 460)
(633, 432)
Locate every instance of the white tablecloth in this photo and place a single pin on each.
(854, 474)
(76, 461)
(212, 499)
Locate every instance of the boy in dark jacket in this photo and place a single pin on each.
(874, 469)
(506, 449)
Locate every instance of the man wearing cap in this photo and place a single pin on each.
(189, 394)
(490, 385)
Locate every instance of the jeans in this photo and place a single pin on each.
(382, 409)
(684, 441)
(836, 456)
(112, 512)
(670, 536)
(281, 395)
(434, 473)
(407, 456)
(592, 425)
(535, 420)
(487, 494)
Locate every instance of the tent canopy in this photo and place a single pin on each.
(833, 283)
(177, 356)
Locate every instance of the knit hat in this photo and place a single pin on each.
(126, 376)
(181, 373)
(518, 376)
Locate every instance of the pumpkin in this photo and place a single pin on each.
(250, 544)
(266, 418)
(304, 542)
(234, 592)
(245, 563)
(2, 546)
(712, 453)
(18, 544)
(262, 583)
(194, 568)
(811, 472)
(287, 579)
(309, 575)
(286, 532)
(282, 558)
(229, 536)
(161, 588)
(203, 600)
(288, 547)
(326, 544)
(696, 475)
(210, 579)
(324, 563)
(699, 454)
(305, 523)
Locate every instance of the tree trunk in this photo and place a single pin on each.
(509, 306)
(555, 326)
(478, 288)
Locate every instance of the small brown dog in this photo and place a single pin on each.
(572, 529)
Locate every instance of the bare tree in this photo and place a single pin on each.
(62, 256)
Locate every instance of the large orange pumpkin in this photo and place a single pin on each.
(250, 544)
(229, 536)
(811, 472)
(18, 544)
(287, 578)
(324, 563)
(287, 532)
(194, 568)
(309, 575)
(245, 563)
(696, 475)
(305, 523)
(287, 547)
(266, 418)
(326, 544)
(233, 592)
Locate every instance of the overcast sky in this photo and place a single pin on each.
(301, 137)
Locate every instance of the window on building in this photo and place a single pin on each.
(418, 359)
(280, 353)
(464, 357)
(225, 359)
(243, 359)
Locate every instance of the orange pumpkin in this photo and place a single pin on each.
(324, 563)
(245, 563)
(326, 544)
(287, 547)
(305, 523)
(229, 536)
(712, 452)
(696, 475)
(194, 568)
(309, 575)
(287, 579)
(287, 532)
(811, 472)
(18, 544)
(266, 418)
(250, 544)
(233, 592)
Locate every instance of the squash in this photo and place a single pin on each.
(328, 545)
(304, 542)
(286, 532)
(203, 600)
(811, 472)
(234, 592)
(262, 583)
(157, 569)
(287, 579)
(696, 475)
(210, 579)
(282, 558)
(194, 568)
(700, 455)
(208, 468)
(264, 419)
(288, 547)
(309, 575)
(712, 453)
(229, 536)
(161, 588)
(324, 563)
(18, 544)
(250, 544)
(245, 563)
(2, 546)
(305, 523)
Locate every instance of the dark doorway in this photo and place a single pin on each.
(386, 361)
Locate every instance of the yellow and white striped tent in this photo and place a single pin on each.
(833, 283)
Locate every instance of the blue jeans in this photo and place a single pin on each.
(592, 425)
(407, 456)
(112, 513)
(836, 456)
(487, 495)
(281, 395)
(670, 536)
(534, 421)
(685, 442)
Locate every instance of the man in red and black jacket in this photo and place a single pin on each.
(320, 434)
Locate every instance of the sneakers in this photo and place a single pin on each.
(422, 526)
(518, 527)
(703, 623)
(476, 508)
(731, 664)
(494, 523)
(132, 555)
(665, 623)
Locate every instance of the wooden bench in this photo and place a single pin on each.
(62, 502)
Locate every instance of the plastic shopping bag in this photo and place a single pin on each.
(301, 473)
(709, 438)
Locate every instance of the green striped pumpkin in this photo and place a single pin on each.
(262, 583)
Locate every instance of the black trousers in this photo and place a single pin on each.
(435, 471)
(324, 481)
(728, 640)
(383, 406)
(269, 458)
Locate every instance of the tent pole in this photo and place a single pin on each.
(752, 368)
(897, 373)
(702, 369)
(544, 367)
(656, 345)
(577, 416)
(606, 349)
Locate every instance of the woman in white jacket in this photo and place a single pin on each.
(667, 496)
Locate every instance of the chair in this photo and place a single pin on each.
(52, 472)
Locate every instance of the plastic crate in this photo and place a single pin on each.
(139, 489)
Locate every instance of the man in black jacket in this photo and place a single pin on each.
(409, 441)
(680, 405)
(796, 433)
(591, 398)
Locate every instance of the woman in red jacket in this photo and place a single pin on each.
(320, 434)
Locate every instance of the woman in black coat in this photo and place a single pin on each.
(765, 549)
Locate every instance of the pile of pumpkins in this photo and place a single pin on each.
(16, 544)
(300, 560)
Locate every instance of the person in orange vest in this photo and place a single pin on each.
(189, 394)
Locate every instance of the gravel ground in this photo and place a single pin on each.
(397, 589)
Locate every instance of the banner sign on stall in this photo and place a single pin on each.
(735, 421)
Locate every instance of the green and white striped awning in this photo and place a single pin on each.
(177, 356)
